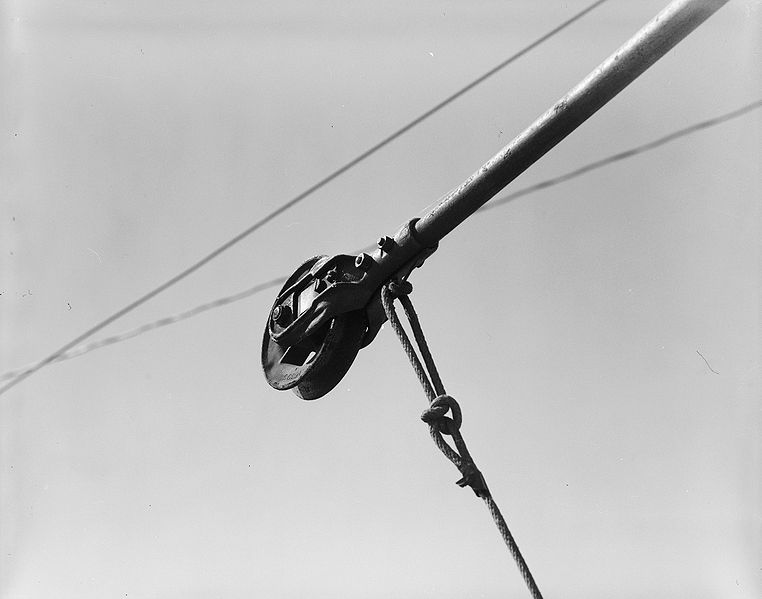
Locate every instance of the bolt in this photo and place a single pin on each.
(281, 314)
(363, 261)
(386, 244)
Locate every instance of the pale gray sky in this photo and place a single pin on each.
(138, 136)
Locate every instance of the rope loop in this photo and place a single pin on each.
(439, 423)
(435, 415)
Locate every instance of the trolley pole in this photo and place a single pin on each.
(620, 69)
(331, 307)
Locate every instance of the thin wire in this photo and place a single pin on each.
(621, 155)
(151, 326)
(292, 202)
(223, 301)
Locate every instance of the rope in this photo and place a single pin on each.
(439, 424)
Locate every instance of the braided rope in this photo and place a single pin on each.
(439, 405)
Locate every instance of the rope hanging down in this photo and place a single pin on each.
(440, 424)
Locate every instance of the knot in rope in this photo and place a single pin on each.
(435, 415)
(439, 423)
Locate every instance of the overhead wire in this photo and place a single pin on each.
(292, 202)
(651, 145)
(499, 201)
(86, 348)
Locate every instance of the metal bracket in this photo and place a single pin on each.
(342, 283)
(325, 289)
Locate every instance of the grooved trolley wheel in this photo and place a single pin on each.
(314, 365)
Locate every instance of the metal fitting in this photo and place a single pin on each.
(281, 314)
(363, 261)
(386, 244)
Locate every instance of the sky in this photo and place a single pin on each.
(602, 336)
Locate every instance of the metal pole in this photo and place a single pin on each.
(620, 69)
